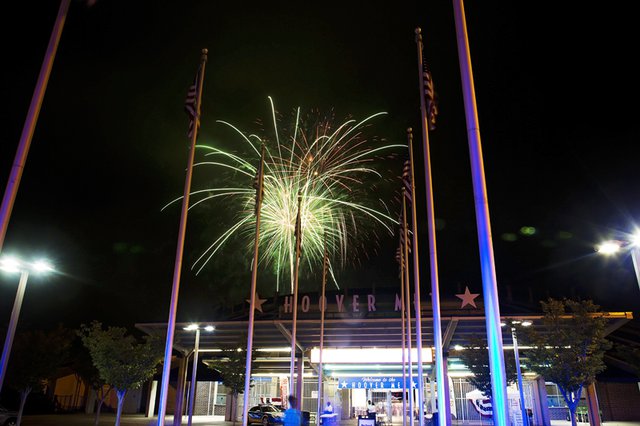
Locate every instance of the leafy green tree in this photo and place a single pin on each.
(475, 356)
(122, 360)
(83, 367)
(568, 347)
(232, 367)
(36, 357)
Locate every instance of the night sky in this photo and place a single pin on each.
(557, 105)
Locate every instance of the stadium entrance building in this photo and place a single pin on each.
(362, 359)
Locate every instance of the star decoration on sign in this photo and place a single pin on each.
(468, 298)
(344, 384)
(258, 304)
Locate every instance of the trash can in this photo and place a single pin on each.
(329, 419)
(366, 420)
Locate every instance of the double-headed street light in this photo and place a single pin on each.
(11, 264)
(631, 244)
(192, 391)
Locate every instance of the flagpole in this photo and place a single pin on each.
(166, 369)
(407, 295)
(404, 337)
(416, 280)
(295, 296)
(323, 302)
(444, 415)
(252, 297)
(30, 123)
(487, 263)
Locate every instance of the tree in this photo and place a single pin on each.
(568, 348)
(36, 357)
(123, 361)
(475, 356)
(82, 365)
(232, 367)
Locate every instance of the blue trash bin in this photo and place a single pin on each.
(329, 419)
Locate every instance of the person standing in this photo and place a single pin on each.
(292, 416)
(371, 410)
(329, 408)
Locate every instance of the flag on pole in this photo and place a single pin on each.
(190, 105)
(258, 182)
(408, 196)
(408, 239)
(400, 259)
(406, 180)
(430, 97)
(298, 231)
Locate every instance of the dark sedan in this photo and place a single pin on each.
(265, 414)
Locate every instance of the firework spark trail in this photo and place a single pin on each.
(328, 166)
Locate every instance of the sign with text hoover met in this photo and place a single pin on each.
(367, 382)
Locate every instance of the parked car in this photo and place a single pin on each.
(8, 418)
(265, 414)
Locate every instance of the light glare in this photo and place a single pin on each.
(42, 266)
(10, 264)
(609, 247)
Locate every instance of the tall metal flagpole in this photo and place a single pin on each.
(30, 123)
(407, 295)
(444, 417)
(416, 279)
(487, 264)
(171, 324)
(323, 298)
(254, 279)
(404, 336)
(295, 297)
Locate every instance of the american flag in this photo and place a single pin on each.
(190, 104)
(406, 180)
(258, 182)
(298, 231)
(408, 238)
(400, 259)
(430, 97)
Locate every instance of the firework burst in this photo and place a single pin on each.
(330, 167)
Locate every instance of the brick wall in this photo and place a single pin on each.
(619, 401)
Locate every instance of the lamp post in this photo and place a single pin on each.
(10, 264)
(194, 369)
(632, 244)
(516, 352)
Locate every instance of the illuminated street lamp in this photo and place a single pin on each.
(196, 328)
(632, 244)
(516, 353)
(10, 264)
